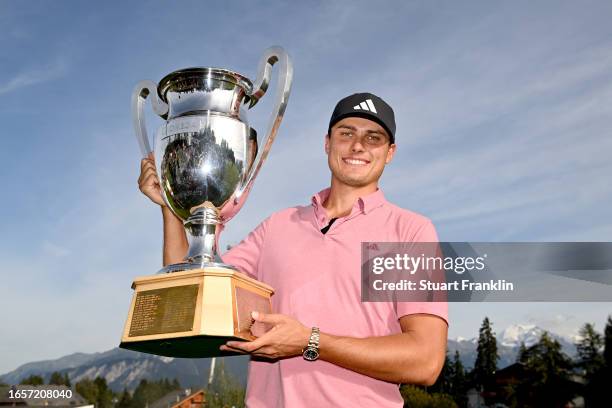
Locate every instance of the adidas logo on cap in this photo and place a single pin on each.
(366, 105)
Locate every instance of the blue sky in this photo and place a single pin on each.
(504, 116)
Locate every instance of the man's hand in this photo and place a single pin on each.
(175, 241)
(286, 338)
(148, 182)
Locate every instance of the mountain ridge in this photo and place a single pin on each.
(125, 368)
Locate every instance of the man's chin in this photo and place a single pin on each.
(355, 182)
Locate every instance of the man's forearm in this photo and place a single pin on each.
(415, 356)
(175, 240)
(399, 358)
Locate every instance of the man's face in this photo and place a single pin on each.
(357, 151)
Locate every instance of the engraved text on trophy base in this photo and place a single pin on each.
(166, 310)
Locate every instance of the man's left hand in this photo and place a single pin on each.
(286, 338)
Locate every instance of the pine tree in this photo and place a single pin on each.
(225, 390)
(607, 354)
(521, 357)
(547, 375)
(458, 380)
(125, 400)
(88, 390)
(139, 398)
(59, 379)
(147, 392)
(590, 357)
(486, 359)
(104, 396)
(32, 380)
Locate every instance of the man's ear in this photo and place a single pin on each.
(327, 143)
(390, 153)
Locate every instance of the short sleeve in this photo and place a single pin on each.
(245, 256)
(426, 233)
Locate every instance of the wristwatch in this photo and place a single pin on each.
(311, 352)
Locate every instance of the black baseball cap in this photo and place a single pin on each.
(368, 106)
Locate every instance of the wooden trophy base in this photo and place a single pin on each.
(191, 313)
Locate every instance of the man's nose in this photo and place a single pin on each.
(357, 146)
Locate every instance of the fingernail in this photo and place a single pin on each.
(254, 315)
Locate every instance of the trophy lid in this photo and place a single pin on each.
(201, 78)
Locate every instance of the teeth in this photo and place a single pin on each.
(355, 161)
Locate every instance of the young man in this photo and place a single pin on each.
(326, 347)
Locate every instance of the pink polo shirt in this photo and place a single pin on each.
(317, 278)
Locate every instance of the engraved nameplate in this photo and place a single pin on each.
(166, 310)
(247, 302)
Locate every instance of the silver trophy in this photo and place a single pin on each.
(207, 158)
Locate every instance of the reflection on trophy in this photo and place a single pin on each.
(207, 159)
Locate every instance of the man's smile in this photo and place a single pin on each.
(355, 161)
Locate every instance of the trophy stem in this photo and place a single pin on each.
(203, 228)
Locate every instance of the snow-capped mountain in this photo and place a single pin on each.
(508, 344)
(517, 333)
(530, 334)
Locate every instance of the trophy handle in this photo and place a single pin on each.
(142, 90)
(271, 56)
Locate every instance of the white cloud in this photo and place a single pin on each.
(34, 76)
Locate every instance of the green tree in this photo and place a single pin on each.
(147, 392)
(59, 379)
(592, 353)
(105, 394)
(546, 381)
(32, 380)
(458, 381)
(225, 390)
(608, 344)
(95, 392)
(590, 357)
(522, 353)
(87, 389)
(486, 358)
(125, 400)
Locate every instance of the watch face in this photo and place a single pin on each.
(311, 354)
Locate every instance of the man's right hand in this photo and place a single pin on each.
(175, 240)
(148, 182)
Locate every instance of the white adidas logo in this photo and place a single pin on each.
(366, 105)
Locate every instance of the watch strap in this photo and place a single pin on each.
(315, 335)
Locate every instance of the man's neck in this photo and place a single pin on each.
(341, 198)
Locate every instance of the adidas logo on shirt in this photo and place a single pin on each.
(366, 105)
